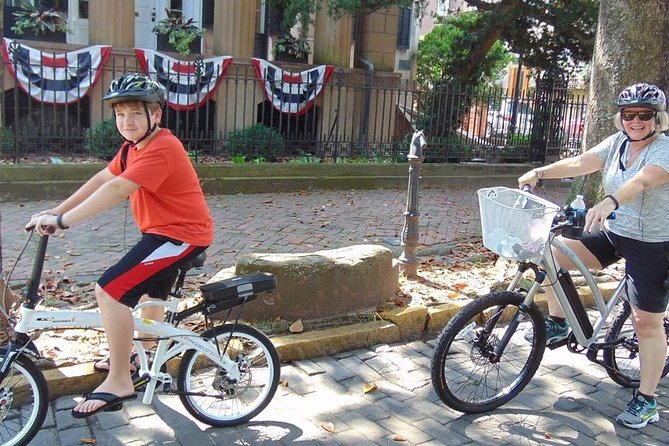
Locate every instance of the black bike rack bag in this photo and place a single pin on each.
(232, 292)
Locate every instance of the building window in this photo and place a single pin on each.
(442, 7)
(208, 14)
(404, 28)
(83, 9)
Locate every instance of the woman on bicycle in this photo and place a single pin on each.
(152, 168)
(635, 174)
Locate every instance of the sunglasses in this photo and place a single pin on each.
(645, 115)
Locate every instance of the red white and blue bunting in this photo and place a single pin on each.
(54, 78)
(292, 93)
(189, 84)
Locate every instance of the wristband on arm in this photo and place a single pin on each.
(59, 222)
(616, 202)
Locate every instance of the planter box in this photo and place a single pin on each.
(8, 20)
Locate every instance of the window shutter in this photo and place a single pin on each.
(404, 28)
(207, 14)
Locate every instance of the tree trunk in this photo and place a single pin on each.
(632, 46)
(500, 18)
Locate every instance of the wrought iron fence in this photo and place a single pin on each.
(357, 115)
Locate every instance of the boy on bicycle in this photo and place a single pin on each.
(152, 168)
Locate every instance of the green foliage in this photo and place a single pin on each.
(295, 46)
(449, 45)
(295, 11)
(38, 19)
(547, 34)
(255, 141)
(519, 139)
(181, 32)
(6, 141)
(103, 140)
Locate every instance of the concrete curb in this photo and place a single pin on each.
(406, 324)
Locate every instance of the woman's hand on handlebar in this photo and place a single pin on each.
(598, 214)
(43, 224)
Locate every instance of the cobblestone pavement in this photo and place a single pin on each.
(280, 222)
(569, 402)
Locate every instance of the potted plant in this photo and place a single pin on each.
(37, 22)
(175, 32)
(296, 48)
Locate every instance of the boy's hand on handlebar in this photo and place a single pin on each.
(598, 215)
(529, 178)
(43, 224)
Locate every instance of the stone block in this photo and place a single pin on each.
(323, 283)
(410, 321)
(439, 315)
(328, 342)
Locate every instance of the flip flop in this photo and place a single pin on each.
(112, 403)
(103, 364)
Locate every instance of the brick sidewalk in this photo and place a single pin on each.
(277, 222)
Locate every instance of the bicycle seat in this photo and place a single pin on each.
(229, 293)
(195, 262)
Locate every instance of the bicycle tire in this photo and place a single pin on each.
(230, 403)
(622, 361)
(462, 368)
(24, 402)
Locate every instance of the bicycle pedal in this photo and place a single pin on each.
(557, 344)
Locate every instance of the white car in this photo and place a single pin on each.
(499, 119)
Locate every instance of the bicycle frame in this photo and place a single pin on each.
(587, 334)
(172, 340)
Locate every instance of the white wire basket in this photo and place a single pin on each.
(515, 224)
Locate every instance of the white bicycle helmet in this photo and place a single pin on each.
(642, 95)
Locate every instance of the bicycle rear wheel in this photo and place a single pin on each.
(208, 392)
(465, 372)
(23, 403)
(622, 361)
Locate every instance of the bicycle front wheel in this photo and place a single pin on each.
(212, 396)
(467, 374)
(622, 361)
(23, 403)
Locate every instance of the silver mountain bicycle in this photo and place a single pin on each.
(492, 348)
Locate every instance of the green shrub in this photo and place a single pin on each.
(256, 141)
(103, 140)
(6, 141)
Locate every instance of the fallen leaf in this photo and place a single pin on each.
(296, 327)
(277, 319)
(398, 438)
(328, 426)
(367, 388)
(547, 435)
(88, 441)
(284, 383)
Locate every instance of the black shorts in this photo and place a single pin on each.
(646, 267)
(150, 267)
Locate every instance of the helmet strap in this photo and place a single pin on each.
(649, 135)
(148, 132)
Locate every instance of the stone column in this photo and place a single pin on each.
(332, 39)
(112, 23)
(234, 27)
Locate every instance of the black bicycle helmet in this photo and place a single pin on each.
(134, 87)
(642, 95)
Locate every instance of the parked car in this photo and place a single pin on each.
(499, 118)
